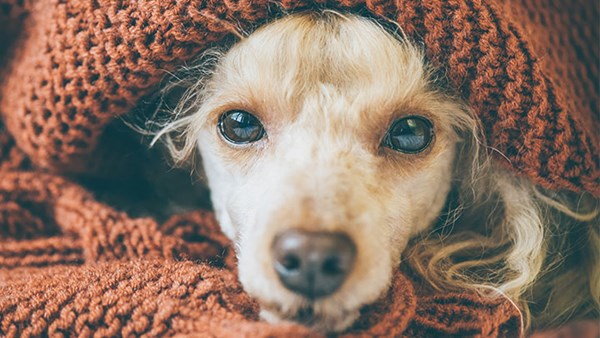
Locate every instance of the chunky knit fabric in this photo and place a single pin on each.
(528, 68)
(70, 264)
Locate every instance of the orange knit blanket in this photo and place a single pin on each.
(72, 265)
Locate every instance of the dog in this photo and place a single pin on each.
(333, 151)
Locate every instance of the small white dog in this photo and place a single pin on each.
(331, 154)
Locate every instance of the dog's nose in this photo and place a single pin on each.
(313, 264)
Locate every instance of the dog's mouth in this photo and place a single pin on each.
(305, 316)
(312, 315)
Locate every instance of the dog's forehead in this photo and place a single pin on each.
(346, 68)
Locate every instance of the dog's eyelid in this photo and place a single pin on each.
(220, 105)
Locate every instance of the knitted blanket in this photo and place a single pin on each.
(71, 264)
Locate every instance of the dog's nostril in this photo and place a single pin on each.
(290, 262)
(332, 266)
(313, 264)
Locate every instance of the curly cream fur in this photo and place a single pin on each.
(486, 229)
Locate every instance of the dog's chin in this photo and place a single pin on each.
(310, 315)
(333, 313)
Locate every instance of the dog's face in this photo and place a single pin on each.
(326, 149)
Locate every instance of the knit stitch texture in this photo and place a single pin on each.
(71, 265)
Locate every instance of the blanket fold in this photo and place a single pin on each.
(71, 265)
(93, 269)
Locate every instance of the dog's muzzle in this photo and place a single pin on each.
(313, 264)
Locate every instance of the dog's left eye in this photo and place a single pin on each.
(240, 127)
(411, 135)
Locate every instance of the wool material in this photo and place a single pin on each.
(72, 265)
(529, 69)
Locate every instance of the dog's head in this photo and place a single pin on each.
(326, 149)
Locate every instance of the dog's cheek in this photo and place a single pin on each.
(415, 203)
(220, 179)
(430, 189)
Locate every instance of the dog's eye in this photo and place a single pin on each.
(239, 127)
(409, 135)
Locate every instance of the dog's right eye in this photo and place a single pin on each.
(240, 127)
